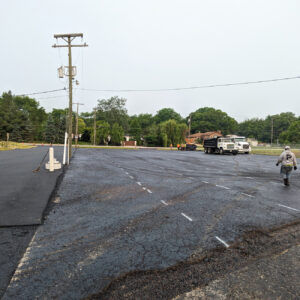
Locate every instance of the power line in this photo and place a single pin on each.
(192, 87)
(44, 92)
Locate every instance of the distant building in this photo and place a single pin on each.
(192, 139)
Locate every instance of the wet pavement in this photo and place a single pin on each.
(24, 193)
(119, 211)
(23, 199)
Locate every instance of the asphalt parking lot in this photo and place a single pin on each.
(122, 211)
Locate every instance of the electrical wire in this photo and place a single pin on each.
(192, 87)
(44, 92)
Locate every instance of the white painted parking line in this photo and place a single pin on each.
(223, 187)
(204, 181)
(190, 219)
(163, 202)
(250, 177)
(223, 242)
(130, 177)
(144, 188)
(288, 207)
(247, 195)
(127, 173)
(149, 191)
(138, 183)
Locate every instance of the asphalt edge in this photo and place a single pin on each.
(251, 237)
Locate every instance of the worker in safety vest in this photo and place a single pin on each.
(288, 160)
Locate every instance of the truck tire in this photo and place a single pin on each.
(234, 153)
(205, 150)
(221, 151)
(246, 152)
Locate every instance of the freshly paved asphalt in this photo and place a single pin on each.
(119, 211)
(24, 193)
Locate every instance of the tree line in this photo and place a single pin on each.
(26, 121)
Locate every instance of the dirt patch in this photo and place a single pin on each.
(199, 271)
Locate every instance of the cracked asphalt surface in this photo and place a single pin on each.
(119, 211)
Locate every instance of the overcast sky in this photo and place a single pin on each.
(139, 44)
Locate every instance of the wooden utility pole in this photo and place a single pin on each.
(190, 122)
(95, 131)
(68, 38)
(76, 130)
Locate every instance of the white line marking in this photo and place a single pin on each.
(223, 187)
(288, 207)
(138, 183)
(149, 191)
(205, 182)
(248, 195)
(127, 173)
(144, 188)
(163, 202)
(250, 177)
(130, 177)
(223, 242)
(187, 217)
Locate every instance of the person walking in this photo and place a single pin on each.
(288, 160)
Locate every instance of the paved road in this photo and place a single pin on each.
(118, 211)
(24, 194)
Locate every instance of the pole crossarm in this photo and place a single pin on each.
(66, 46)
(67, 35)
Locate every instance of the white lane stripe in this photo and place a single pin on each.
(130, 177)
(223, 242)
(204, 181)
(149, 191)
(248, 195)
(163, 202)
(144, 188)
(187, 217)
(288, 207)
(127, 173)
(223, 187)
(250, 177)
(138, 183)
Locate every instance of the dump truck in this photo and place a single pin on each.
(220, 145)
(242, 144)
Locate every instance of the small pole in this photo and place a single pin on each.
(51, 159)
(7, 139)
(95, 130)
(76, 132)
(65, 148)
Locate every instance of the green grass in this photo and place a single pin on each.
(273, 151)
(4, 146)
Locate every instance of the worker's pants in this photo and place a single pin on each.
(286, 171)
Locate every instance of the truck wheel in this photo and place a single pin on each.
(221, 151)
(205, 150)
(246, 152)
(234, 153)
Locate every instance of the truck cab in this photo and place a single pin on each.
(242, 144)
(220, 145)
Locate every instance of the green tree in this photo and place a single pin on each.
(166, 114)
(113, 110)
(292, 135)
(210, 119)
(117, 134)
(51, 134)
(135, 130)
(171, 132)
(103, 132)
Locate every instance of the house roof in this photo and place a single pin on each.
(203, 134)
